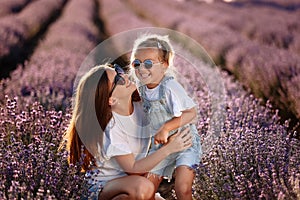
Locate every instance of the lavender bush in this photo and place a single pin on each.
(32, 167)
(280, 4)
(255, 157)
(112, 12)
(270, 79)
(258, 29)
(295, 46)
(31, 133)
(17, 29)
(48, 76)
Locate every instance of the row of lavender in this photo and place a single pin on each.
(30, 129)
(278, 4)
(48, 76)
(270, 72)
(264, 24)
(16, 30)
(255, 157)
(8, 7)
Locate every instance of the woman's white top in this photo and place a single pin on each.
(123, 135)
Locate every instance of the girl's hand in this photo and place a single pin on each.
(179, 141)
(161, 137)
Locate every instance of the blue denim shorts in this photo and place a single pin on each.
(188, 157)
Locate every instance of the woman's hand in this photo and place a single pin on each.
(179, 141)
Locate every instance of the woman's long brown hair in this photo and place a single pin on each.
(72, 140)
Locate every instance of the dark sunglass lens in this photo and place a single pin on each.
(148, 64)
(118, 69)
(136, 63)
(119, 80)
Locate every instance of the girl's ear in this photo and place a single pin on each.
(112, 101)
(165, 66)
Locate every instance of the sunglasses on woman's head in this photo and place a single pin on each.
(119, 79)
(148, 64)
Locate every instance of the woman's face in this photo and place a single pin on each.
(120, 91)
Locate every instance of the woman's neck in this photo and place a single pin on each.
(123, 107)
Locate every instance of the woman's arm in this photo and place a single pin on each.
(177, 142)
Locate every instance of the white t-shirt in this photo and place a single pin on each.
(123, 135)
(176, 96)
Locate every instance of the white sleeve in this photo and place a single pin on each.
(177, 98)
(115, 142)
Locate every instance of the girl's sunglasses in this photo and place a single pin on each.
(119, 79)
(148, 64)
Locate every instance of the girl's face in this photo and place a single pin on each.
(120, 91)
(151, 77)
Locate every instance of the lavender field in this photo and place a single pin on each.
(255, 44)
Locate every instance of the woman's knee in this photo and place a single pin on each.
(134, 186)
(144, 189)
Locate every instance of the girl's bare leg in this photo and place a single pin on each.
(156, 180)
(128, 187)
(184, 182)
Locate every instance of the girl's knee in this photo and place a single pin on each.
(183, 189)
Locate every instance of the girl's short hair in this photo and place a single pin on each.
(162, 43)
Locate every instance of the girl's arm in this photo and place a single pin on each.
(186, 117)
(177, 142)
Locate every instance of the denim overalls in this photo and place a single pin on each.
(158, 113)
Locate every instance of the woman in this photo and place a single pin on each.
(108, 122)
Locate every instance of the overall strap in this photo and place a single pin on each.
(161, 96)
(146, 102)
(162, 92)
(162, 89)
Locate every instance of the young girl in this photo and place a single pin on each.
(168, 107)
